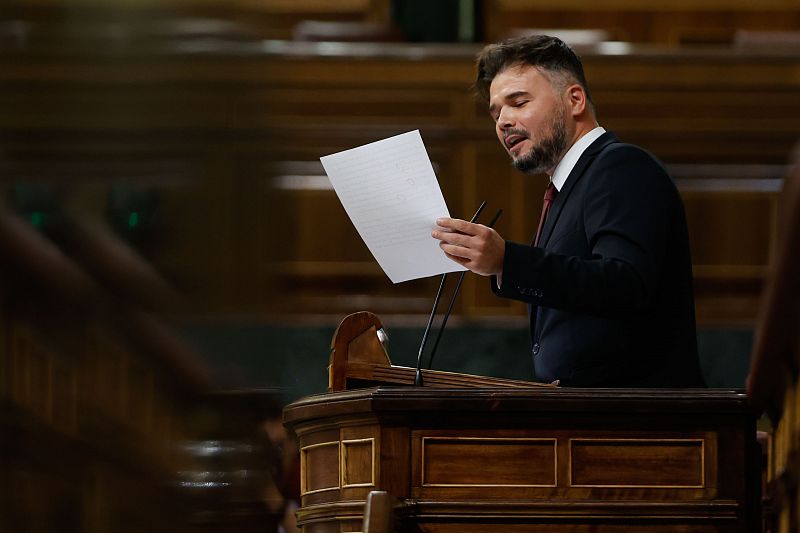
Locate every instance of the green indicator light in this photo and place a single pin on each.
(133, 220)
(37, 218)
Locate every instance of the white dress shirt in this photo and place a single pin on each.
(569, 160)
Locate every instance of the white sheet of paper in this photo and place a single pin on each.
(390, 193)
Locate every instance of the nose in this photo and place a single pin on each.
(505, 119)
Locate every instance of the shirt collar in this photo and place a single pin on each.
(570, 159)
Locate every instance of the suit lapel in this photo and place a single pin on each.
(583, 163)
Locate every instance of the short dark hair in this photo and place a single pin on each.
(549, 53)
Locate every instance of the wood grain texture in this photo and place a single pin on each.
(567, 459)
(226, 128)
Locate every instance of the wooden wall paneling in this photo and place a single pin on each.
(206, 239)
(670, 113)
(327, 241)
(232, 226)
(280, 16)
(111, 105)
(256, 222)
(719, 27)
(224, 116)
(314, 242)
(520, 198)
(363, 107)
(732, 233)
(638, 99)
(629, 26)
(437, 70)
(186, 254)
(145, 20)
(644, 112)
(725, 70)
(703, 23)
(473, 195)
(141, 116)
(452, 159)
(315, 229)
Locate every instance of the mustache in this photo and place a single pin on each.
(513, 131)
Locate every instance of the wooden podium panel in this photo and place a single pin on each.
(536, 459)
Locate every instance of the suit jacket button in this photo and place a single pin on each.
(536, 348)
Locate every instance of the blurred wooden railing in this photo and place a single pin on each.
(773, 381)
(94, 390)
(100, 399)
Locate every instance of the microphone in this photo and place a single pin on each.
(453, 299)
(418, 374)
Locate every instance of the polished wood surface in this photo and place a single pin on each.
(541, 459)
(520, 458)
(359, 359)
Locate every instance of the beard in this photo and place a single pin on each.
(545, 154)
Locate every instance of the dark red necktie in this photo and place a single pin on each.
(549, 196)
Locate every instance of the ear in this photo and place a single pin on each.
(576, 99)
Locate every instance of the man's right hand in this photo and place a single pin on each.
(475, 246)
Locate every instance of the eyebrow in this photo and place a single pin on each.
(506, 98)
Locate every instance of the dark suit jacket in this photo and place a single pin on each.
(610, 286)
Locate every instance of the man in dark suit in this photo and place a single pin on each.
(608, 278)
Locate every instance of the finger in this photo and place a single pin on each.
(460, 260)
(458, 239)
(456, 251)
(459, 225)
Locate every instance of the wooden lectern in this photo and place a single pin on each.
(474, 454)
